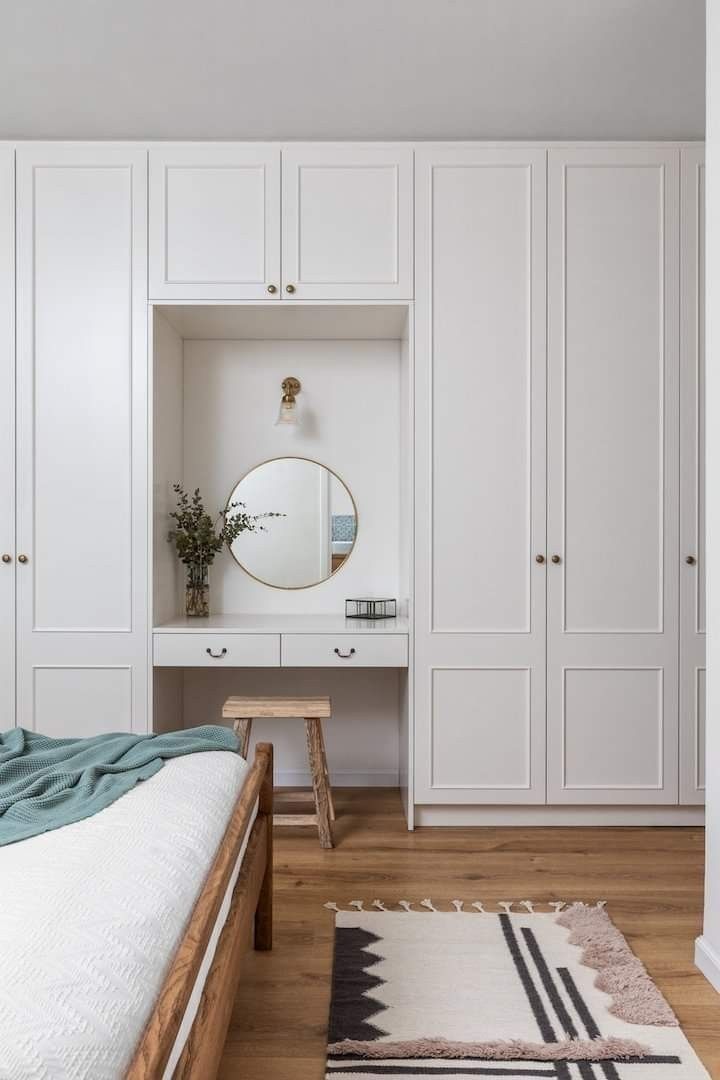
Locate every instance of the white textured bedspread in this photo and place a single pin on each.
(91, 916)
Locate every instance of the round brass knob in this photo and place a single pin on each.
(22, 558)
(539, 558)
(556, 558)
(290, 288)
(690, 560)
(7, 558)
(272, 288)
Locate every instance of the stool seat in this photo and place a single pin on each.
(313, 710)
(252, 708)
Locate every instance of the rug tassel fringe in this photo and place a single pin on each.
(531, 906)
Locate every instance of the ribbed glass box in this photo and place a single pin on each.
(370, 608)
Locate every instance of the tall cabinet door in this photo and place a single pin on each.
(215, 221)
(347, 221)
(613, 475)
(692, 476)
(7, 437)
(82, 436)
(480, 475)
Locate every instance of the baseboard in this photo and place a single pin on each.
(525, 816)
(297, 778)
(708, 961)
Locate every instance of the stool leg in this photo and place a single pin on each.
(320, 790)
(243, 729)
(331, 802)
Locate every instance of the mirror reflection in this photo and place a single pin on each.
(316, 532)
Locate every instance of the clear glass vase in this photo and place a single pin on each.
(197, 592)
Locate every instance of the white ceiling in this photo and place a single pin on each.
(362, 69)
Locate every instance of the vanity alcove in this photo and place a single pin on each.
(277, 622)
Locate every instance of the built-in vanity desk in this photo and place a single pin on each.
(291, 641)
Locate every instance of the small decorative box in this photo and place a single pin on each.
(370, 608)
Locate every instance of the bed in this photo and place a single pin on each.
(121, 936)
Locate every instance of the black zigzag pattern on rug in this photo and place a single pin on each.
(351, 1007)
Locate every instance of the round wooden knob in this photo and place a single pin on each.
(272, 288)
(556, 558)
(690, 560)
(290, 288)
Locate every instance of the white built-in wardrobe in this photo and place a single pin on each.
(555, 518)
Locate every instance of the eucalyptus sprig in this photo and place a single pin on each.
(197, 537)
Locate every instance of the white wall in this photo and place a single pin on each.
(352, 69)
(708, 946)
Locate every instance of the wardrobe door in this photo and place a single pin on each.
(480, 476)
(7, 437)
(613, 475)
(82, 434)
(347, 221)
(215, 221)
(692, 476)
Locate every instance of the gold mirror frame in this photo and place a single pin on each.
(321, 465)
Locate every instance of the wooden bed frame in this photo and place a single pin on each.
(250, 910)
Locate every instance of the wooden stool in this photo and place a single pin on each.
(243, 710)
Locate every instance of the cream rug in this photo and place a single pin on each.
(516, 992)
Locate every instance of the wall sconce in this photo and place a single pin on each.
(288, 414)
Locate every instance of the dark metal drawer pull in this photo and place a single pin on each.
(345, 655)
(216, 655)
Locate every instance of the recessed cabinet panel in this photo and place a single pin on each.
(480, 475)
(613, 729)
(7, 439)
(81, 435)
(77, 448)
(613, 398)
(481, 729)
(692, 477)
(482, 466)
(79, 702)
(347, 222)
(613, 474)
(215, 221)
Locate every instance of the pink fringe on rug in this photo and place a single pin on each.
(498, 1050)
(621, 974)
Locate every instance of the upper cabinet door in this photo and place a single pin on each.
(7, 438)
(613, 475)
(347, 222)
(215, 222)
(692, 475)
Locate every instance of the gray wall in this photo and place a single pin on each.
(360, 69)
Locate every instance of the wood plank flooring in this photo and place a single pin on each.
(651, 878)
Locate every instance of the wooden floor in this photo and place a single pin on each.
(651, 878)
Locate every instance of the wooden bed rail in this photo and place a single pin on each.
(251, 908)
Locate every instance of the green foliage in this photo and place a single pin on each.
(197, 537)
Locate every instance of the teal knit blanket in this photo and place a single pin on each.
(47, 783)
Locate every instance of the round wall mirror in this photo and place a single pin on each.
(314, 533)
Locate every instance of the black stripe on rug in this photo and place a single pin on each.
(534, 999)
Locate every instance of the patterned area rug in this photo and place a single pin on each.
(514, 993)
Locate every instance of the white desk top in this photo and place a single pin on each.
(282, 624)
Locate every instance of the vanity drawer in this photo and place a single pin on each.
(216, 650)
(344, 650)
